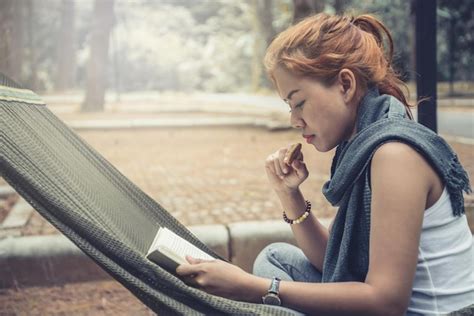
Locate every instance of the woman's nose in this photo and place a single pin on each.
(295, 121)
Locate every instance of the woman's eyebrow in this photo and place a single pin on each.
(290, 95)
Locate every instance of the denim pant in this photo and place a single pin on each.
(286, 262)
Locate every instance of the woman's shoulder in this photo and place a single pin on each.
(398, 155)
(404, 164)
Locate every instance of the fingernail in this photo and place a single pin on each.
(285, 170)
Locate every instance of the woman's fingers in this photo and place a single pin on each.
(281, 160)
(189, 273)
(187, 269)
(278, 168)
(277, 163)
(300, 166)
(299, 158)
(193, 260)
(280, 172)
(273, 165)
(194, 266)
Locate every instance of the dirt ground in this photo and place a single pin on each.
(79, 299)
(202, 176)
(210, 175)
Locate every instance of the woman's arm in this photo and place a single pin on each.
(401, 180)
(311, 236)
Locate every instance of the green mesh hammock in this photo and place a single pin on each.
(94, 205)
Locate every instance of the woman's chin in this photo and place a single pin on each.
(322, 147)
(319, 148)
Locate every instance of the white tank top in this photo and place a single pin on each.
(444, 279)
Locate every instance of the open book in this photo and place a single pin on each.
(169, 250)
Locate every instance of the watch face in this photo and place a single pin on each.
(271, 299)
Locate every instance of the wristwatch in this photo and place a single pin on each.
(272, 298)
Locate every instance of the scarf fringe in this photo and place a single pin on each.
(457, 182)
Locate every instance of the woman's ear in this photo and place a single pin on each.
(348, 84)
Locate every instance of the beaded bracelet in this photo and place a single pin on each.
(301, 218)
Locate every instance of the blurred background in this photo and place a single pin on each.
(87, 47)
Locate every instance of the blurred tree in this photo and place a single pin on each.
(263, 35)
(198, 45)
(227, 55)
(66, 50)
(266, 20)
(202, 10)
(11, 38)
(455, 41)
(341, 5)
(103, 21)
(32, 81)
(396, 16)
(304, 8)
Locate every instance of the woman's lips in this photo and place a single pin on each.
(309, 138)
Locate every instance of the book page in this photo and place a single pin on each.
(173, 245)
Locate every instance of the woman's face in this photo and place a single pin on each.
(325, 115)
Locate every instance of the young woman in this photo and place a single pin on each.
(400, 243)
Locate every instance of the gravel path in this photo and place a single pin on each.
(201, 176)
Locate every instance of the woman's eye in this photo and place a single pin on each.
(300, 104)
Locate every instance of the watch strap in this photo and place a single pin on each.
(275, 286)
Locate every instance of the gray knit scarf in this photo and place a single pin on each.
(381, 119)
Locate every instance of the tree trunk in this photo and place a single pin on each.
(103, 21)
(33, 63)
(11, 38)
(304, 8)
(66, 49)
(6, 9)
(263, 33)
(339, 6)
(266, 20)
(318, 6)
(451, 49)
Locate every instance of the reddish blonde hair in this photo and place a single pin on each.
(321, 45)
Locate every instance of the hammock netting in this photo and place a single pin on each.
(96, 207)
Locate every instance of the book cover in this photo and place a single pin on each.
(169, 250)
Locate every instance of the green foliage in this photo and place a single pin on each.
(208, 45)
(396, 16)
(456, 27)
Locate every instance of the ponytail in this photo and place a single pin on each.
(391, 83)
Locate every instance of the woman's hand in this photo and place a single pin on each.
(220, 278)
(284, 177)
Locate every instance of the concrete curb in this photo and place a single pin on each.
(54, 259)
(6, 191)
(458, 139)
(44, 260)
(271, 124)
(268, 123)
